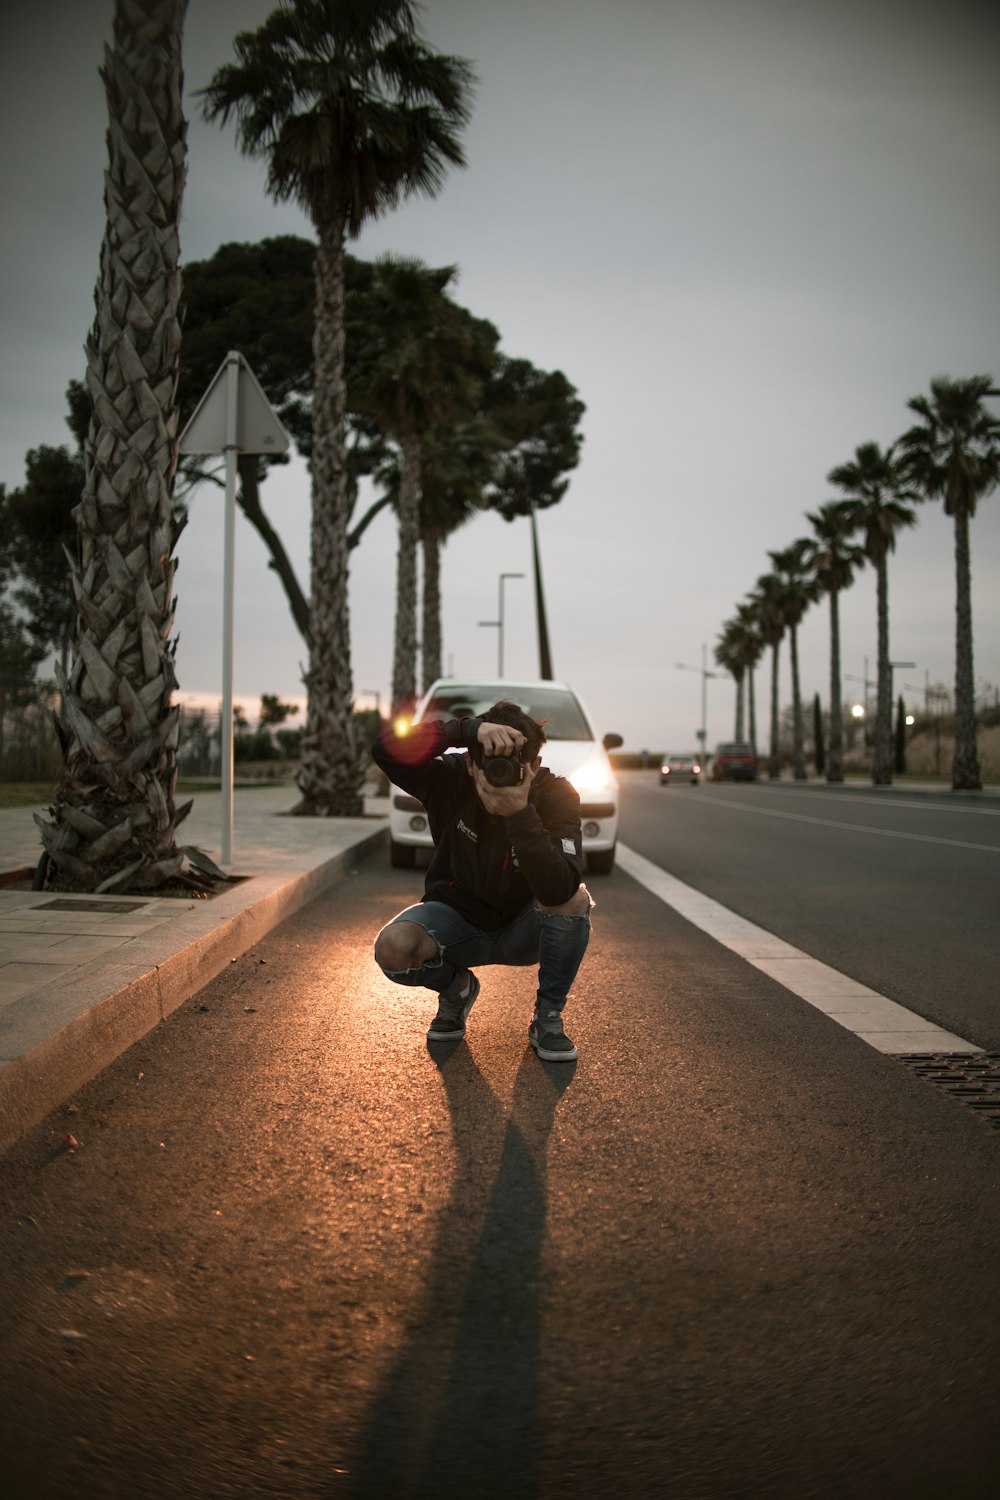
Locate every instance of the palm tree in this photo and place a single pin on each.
(877, 488)
(767, 603)
(352, 113)
(729, 655)
(750, 647)
(833, 559)
(114, 821)
(422, 370)
(953, 455)
(798, 591)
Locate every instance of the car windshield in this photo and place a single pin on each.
(557, 705)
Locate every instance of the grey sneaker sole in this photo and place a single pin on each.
(453, 1031)
(552, 1054)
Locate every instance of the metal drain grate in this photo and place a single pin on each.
(105, 907)
(973, 1078)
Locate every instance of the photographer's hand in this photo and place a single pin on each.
(499, 739)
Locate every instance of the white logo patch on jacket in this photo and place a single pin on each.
(470, 833)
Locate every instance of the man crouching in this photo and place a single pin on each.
(504, 884)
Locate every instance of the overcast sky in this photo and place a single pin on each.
(746, 230)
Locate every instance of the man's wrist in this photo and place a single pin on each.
(519, 812)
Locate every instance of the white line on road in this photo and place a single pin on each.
(888, 799)
(886, 833)
(877, 1020)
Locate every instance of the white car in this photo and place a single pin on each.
(572, 749)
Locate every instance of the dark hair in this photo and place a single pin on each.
(509, 713)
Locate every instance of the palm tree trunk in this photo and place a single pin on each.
(752, 709)
(430, 643)
(404, 661)
(882, 762)
(835, 760)
(965, 767)
(798, 734)
(740, 675)
(774, 759)
(329, 775)
(114, 824)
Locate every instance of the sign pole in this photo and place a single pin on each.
(232, 417)
(228, 603)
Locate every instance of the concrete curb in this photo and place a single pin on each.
(95, 1014)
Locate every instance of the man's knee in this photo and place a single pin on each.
(404, 945)
(578, 905)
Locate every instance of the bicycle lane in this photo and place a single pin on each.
(733, 1250)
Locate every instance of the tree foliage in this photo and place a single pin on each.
(39, 533)
(351, 113)
(953, 455)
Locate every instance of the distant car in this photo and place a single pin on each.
(676, 768)
(734, 761)
(572, 749)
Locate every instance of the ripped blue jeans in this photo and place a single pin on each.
(555, 941)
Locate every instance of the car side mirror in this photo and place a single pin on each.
(612, 741)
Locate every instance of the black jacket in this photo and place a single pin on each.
(486, 867)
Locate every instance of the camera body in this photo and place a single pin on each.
(503, 770)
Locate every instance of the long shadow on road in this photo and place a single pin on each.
(458, 1412)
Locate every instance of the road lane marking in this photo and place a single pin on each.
(878, 797)
(888, 833)
(883, 1023)
(894, 799)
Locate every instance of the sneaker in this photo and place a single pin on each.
(449, 1023)
(547, 1036)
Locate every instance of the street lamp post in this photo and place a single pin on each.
(705, 675)
(545, 671)
(497, 624)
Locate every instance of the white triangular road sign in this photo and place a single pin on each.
(258, 429)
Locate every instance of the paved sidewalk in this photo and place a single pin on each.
(82, 978)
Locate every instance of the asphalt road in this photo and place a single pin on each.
(733, 1251)
(901, 893)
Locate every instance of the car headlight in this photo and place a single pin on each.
(593, 776)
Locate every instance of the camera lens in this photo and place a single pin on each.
(503, 770)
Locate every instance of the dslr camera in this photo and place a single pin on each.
(500, 770)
